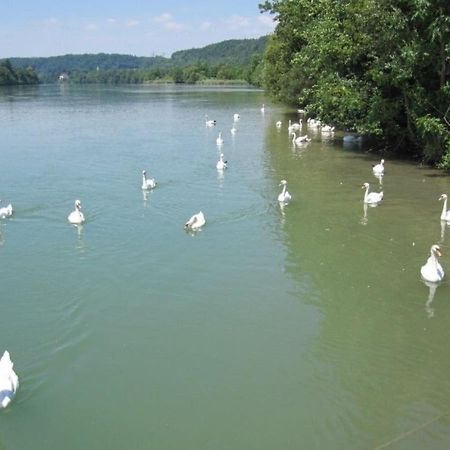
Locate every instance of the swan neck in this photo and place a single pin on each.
(444, 210)
(366, 194)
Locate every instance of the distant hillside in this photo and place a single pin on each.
(234, 51)
(237, 52)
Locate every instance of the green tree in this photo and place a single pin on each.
(375, 67)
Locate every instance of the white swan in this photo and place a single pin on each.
(327, 129)
(432, 270)
(219, 140)
(76, 217)
(195, 222)
(278, 124)
(300, 139)
(6, 211)
(263, 108)
(221, 164)
(209, 122)
(236, 117)
(284, 196)
(378, 169)
(9, 381)
(147, 183)
(445, 215)
(373, 197)
(233, 130)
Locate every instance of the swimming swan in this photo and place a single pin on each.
(284, 196)
(195, 222)
(378, 169)
(147, 183)
(9, 381)
(373, 197)
(263, 108)
(432, 270)
(221, 164)
(236, 117)
(278, 123)
(6, 211)
(445, 215)
(76, 217)
(210, 122)
(300, 139)
(219, 140)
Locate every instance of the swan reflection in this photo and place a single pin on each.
(364, 220)
(432, 291)
(379, 177)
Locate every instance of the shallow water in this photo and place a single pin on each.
(302, 327)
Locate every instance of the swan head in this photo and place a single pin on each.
(435, 249)
(283, 183)
(365, 186)
(77, 204)
(443, 197)
(382, 161)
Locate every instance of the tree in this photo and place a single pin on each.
(375, 67)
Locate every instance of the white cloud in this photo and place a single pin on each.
(132, 23)
(205, 25)
(167, 22)
(267, 21)
(236, 21)
(51, 21)
(91, 27)
(163, 18)
(111, 20)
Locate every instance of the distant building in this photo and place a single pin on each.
(63, 77)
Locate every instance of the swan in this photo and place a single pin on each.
(327, 129)
(221, 164)
(219, 140)
(209, 123)
(378, 169)
(195, 222)
(445, 215)
(236, 117)
(263, 108)
(373, 197)
(147, 183)
(432, 270)
(233, 130)
(76, 217)
(284, 196)
(6, 211)
(9, 381)
(278, 124)
(300, 139)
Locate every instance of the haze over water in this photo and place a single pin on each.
(303, 327)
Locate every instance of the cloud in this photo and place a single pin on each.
(51, 21)
(110, 20)
(166, 20)
(205, 25)
(266, 21)
(91, 27)
(236, 21)
(132, 23)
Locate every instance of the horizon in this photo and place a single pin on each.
(130, 54)
(51, 29)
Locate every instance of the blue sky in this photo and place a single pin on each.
(137, 27)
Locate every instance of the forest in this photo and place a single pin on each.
(15, 76)
(376, 67)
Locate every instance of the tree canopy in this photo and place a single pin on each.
(13, 76)
(376, 67)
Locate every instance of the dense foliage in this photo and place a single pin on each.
(227, 60)
(12, 76)
(377, 67)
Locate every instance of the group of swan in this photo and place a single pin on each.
(9, 381)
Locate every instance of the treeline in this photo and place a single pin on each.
(10, 76)
(376, 67)
(231, 59)
(191, 74)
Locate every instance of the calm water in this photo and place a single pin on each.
(307, 327)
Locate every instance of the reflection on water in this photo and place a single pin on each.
(431, 293)
(379, 177)
(444, 226)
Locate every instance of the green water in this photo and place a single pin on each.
(306, 327)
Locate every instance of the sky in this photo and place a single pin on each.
(134, 27)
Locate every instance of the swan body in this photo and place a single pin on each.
(300, 139)
(236, 117)
(310, 122)
(263, 108)
(327, 129)
(147, 183)
(195, 222)
(233, 130)
(76, 216)
(373, 197)
(6, 211)
(445, 215)
(219, 140)
(278, 124)
(210, 122)
(284, 196)
(221, 164)
(378, 169)
(9, 381)
(432, 271)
